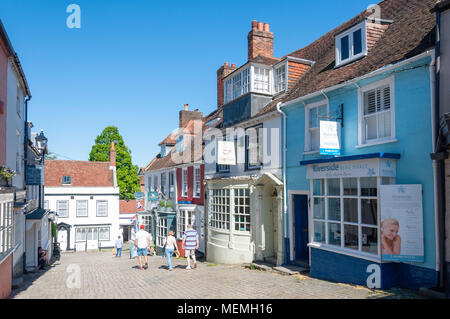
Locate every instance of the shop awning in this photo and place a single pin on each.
(351, 158)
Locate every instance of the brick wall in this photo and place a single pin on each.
(260, 40)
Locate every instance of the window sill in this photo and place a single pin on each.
(310, 152)
(394, 140)
(346, 252)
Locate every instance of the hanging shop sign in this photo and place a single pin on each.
(226, 154)
(359, 168)
(330, 138)
(153, 196)
(401, 223)
(35, 175)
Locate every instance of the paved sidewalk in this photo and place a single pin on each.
(105, 276)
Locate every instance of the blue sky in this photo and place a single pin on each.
(134, 63)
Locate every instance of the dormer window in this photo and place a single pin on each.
(351, 45)
(66, 180)
(280, 78)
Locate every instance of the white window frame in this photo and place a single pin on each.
(185, 217)
(197, 182)
(237, 85)
(78, 207)
(223, 211)
(269, 79)
(97, 208)
(184, 182)
(63, 180)
(308, 107)
(349, 33)
(6, 226)
(283, 77)
(58, 208)
(362, 141)
(171, 182)
(161, 231)
(163, 183)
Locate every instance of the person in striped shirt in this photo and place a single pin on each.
(190, 245)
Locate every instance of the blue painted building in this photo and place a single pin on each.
(374, 76)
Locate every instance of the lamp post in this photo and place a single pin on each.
(41, 144)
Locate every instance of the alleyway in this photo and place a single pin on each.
(105, 276)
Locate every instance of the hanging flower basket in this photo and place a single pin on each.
(6, 174)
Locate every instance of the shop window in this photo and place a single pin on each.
(185, 217)
(345, 212)
(6, 226)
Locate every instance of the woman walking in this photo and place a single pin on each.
(170, 245)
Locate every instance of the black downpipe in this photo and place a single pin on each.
(440, 163)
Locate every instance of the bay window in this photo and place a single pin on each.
(261, 82)
(230, 209)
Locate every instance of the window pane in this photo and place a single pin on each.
(319, 208)
(319, 232)
(318, 187)
(384, 124)
(334, 209)
(334, 187)
(371, 127)
(334, 234)
(345, 53)
(369, 211)
(315, 140)
(357, 42)
(350, 186)
(313, 121)
(368, 186)
(351, 210)
(386, 181)
(351, 236)
(369, 240)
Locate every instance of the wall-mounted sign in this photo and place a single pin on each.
(359, 168)
(330, 138)
(139, 195)
(226, 154)
(153, 196)
(35, 175)
(401, 223)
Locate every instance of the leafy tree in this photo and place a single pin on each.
(127, 173)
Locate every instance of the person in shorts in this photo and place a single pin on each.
(190, 245)
(142, 243)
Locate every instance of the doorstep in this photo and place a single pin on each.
(287, 270)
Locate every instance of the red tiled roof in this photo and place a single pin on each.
(82, 173)
(170, 139)
(411, 33)
(129, 207)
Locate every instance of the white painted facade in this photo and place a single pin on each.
(263, 238)
(91, 224)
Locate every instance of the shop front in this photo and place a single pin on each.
(355, 201)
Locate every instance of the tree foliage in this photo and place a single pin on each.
(127, 173)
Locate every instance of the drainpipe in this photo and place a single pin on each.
(284, 176)
(439, 161)
(25, 139)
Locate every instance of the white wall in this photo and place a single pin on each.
(110, 194)
(15, 123)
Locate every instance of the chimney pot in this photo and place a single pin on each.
(226, 64)
(266, 27)
(254, 24)
(233, 65)
(186, 107)
(260, 26)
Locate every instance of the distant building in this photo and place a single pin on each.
(85, 197)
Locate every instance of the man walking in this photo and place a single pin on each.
(142, 243)
(190, 245)
(119, 245)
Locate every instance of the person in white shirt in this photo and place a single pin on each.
(142, 243)
(119, 245)
(170, 245)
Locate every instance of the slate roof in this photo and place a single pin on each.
(82, 173)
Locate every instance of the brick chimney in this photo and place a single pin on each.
(221, 73)
(186, 116)
(112, 155)
(260, 40)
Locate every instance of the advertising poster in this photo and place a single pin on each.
(401, 223)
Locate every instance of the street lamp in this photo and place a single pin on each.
(41, 143)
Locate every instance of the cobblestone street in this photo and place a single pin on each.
(105, 276)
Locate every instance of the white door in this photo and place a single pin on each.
(92, 238)
(62, 238)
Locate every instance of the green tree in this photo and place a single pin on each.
(127, 173)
